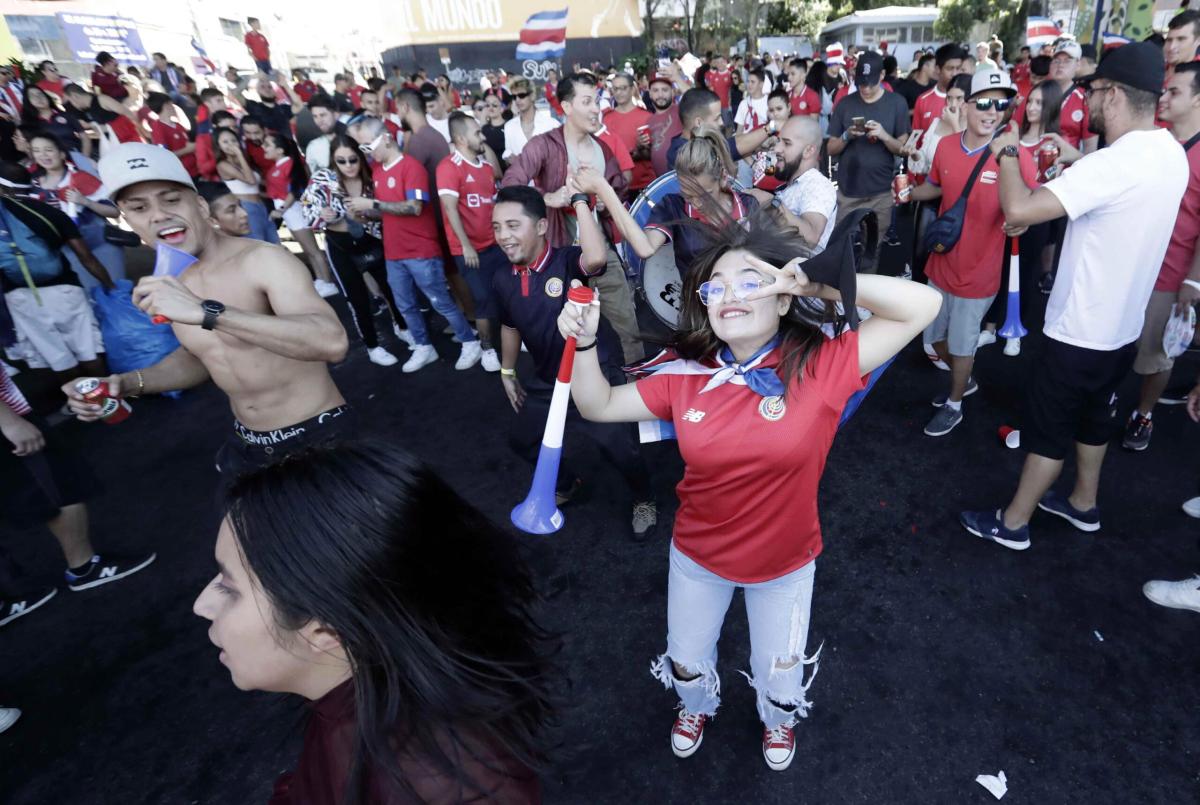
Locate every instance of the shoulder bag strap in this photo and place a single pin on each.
(1188, 145)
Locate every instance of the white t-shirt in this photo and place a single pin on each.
(1122, 201)
(811, 192)
(442, 126)
(751, 113)
(514, 134)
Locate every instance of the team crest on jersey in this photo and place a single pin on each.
(554, 287)
(772, 408)
(1077, 115)
(391, 181)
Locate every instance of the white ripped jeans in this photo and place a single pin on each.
(778, 612)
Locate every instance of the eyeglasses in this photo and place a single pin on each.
(1093, 88)
(346, 160)
(999, 104)
(713, 292)
(521, 95)
(369, 148)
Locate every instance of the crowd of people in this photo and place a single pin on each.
(487, 205)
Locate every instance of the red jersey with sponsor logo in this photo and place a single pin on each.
(407, 237)
(806, 102)
(748, 498)
(306, 90)
(625, 125)
(971, 269)
(473, 184)
(928, 108)
(720, 83)
(1073, 121)
(552, 99)
(260, 48)
(174, 138)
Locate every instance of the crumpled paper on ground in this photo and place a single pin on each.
(997, 786)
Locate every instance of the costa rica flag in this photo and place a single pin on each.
(544, 36)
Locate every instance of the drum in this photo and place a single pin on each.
(658, 287)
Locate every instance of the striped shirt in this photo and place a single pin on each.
(11, 396)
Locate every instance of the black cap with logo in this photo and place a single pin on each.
(869, 70)
(1138, 65)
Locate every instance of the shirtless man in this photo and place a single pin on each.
(245, 313)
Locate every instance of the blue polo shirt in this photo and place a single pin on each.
(531, 297)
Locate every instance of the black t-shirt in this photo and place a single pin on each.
(910, 90)
(275, 117)
(53, 226)
(670, 216)
(494, 135)
(865, 168)
(530, 302)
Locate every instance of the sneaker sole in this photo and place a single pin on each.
(100, 582)
(1007, 543)
(690, 751)
(1135, 447)
(29, 609)
(1168, 604)
(1079, 524)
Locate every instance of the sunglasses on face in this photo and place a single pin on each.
(521, 95)
(999, 104)
(713, 292)
(346, 160)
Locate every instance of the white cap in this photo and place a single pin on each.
(989, 80)
(1068, 46)
(835, 54)
(131, 163)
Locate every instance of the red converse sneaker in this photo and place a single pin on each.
(687, 733)
(779, 746)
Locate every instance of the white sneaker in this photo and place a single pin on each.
(470, 355)
(491, 361)
(931, 353)
(1012, 347)
(8, 717)
(1175, 594)
(405, 336)
(325, 288)
(381, 356)
(1191, 507)
(986, 338)
(422, 356)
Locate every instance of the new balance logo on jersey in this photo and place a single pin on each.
(692, 415)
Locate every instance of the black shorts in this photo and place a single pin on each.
(34, 489)
(247, 449)
(1072, 397)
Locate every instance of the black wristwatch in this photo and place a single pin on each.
(578, 197)
(1008, 151)
(212, 309)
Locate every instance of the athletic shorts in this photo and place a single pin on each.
(1151, 359)
(1072, 397)
(958, 322)
(59, 333)
(34, 489)
(246, 449)
(293, 217)
(479, 280)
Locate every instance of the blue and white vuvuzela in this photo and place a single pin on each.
(538, 513)
(1013, 328)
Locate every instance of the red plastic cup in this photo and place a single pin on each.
(1010, 437)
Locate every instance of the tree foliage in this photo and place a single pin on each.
(804, 17)
(956, 18)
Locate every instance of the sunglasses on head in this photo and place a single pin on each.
(522, 94)
(999, 104)
(369, 148)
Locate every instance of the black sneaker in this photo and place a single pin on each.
(104, 569)
(972, 387)
(1176, 395)
(1137, 432)
(1060, 505)
(15, 607)
(1046, 283)
(564, 496)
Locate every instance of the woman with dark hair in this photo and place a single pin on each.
(40, 109)
(495, 115)
(420, 693)
(353, 242)
(285, 183)
(82, 197)
(755, 398)
(820, 82)
(234, 168)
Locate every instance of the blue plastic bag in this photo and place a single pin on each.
(130, 339)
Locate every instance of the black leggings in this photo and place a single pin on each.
(343, 247)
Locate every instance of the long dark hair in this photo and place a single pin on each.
(50, 137)
(1052, 101)
(29, 115)
(815, 80)
(364, 165)
(763, 236)
(298, 177)
(428, 598)
(218, 154)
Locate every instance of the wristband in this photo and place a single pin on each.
(578, 197)
(589, 346)
(507, 372)
(1194, 283)
(846, 136)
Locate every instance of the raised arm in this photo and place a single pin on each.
(645, 242)
(1022, 205)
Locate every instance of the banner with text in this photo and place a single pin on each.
(89, 34)
(429, 22)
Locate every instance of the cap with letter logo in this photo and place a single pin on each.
(131, 163)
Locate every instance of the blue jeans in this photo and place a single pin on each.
(778, 611)
(261, 226)
(426, 273)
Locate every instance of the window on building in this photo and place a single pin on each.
(35, 48)
(232, 28)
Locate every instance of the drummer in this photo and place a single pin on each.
(705, 170)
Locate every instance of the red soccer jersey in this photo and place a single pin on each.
(971, 269)
(1182, 246)
(552, 99)
(206, 159)
(173, 138)
(279, 179)
(260, 48)
(748, 498)
(928, 108)
(407, 237)
(473, 184)
(624, 160)
(720, 83)
(625, 126)
(258, 159)
(355, 94)
(806, 102)
(306, 90)
(1073, 122)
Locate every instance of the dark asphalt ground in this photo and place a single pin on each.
(944, 656)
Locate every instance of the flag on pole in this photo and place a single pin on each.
(1040, 30)
(544, 36)
(203, 55)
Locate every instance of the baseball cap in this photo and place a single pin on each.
(131, 163)
(660, 77)
(869, 70)
(991, 79)
(1138, 65)
(1068, 46)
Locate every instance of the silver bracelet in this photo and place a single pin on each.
(1194, 283)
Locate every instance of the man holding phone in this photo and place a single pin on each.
(867, 131)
